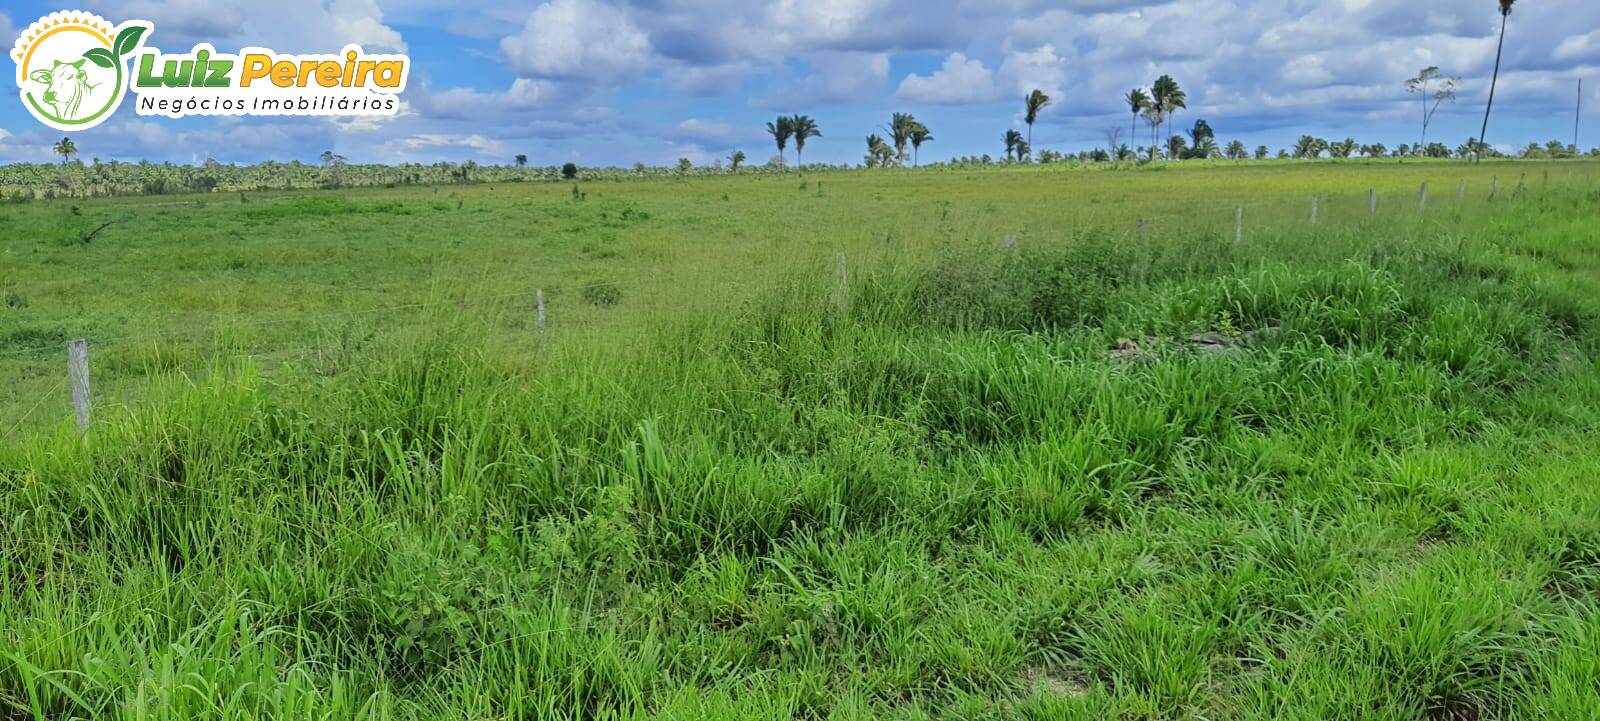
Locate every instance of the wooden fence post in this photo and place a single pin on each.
(78, 376)
(1238, 225)
(1141, 230)
(1372, 201)
(1313, 210)
(1011, 244)
(1422, 198)
(538, 303)
(1462, 191)
(1494, 186)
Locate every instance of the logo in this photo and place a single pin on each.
(73, 69)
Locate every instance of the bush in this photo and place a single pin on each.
(602, 294)
(569, 171)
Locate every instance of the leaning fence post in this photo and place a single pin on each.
(1313, 210)
(1422, 198)
(840, 293)
(538, 305)
(1011, 244)
(1372, 201)
(78, 376)
(1494, 186)
(1461, 192)
(1141, 230)
(1238, 225)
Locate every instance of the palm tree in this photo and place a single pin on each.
(900, 129)
(803, 128)
(736, 159)
(919, 135)
(878, 152)
(1236, 151)
(66, 149)
(1167, 97)
(522, 160)
(781, 130)
(1013, 139)
(1137, 101)
(1505, 12)
(1035, 102)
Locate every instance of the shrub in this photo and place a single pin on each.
(602, 294)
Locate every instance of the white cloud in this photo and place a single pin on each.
(8, 32)
(361, 22)
(474, 142)
(959, 81)
(316, 25)
(1040, 68)
(835, 78)
(1579, 47)
(578, 40)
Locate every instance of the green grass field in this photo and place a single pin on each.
(1342, 470)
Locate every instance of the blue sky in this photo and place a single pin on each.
(614, 82)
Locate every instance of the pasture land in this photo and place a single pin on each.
(1342, 469)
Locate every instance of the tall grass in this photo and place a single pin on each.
(945, 499)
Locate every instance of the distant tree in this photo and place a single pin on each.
(735, 160)
(1262, 152)
(66, 149)
(1167, 97)
(569, 171)
(1282, 154)
(1098, 155)
(1436, 150)
(1126, 153)
(1444, 92)
(522, 160)
(879, 154)
(1153, 117)
(1505, 12)
(1375, 150)
(1343, 148)
(684, 166)
(1176, 146)
(804, 128)
(1013, 139)
(919, 135)
(1558, 149)
(901, 126)
(781, 130)
(1032, 105)
(1309, 147)
(1113, 136)
(1236, 151)
(1137, 101)
(1202, 141)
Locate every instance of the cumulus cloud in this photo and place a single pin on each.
(578, 40)
(8, 32)
(960, 81)
(316, 25)
(1040, 68)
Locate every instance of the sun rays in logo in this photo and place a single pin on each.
(71, 67)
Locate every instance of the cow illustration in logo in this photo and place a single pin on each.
(72, 67)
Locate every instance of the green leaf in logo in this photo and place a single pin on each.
(128, 39)
(101, 57)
